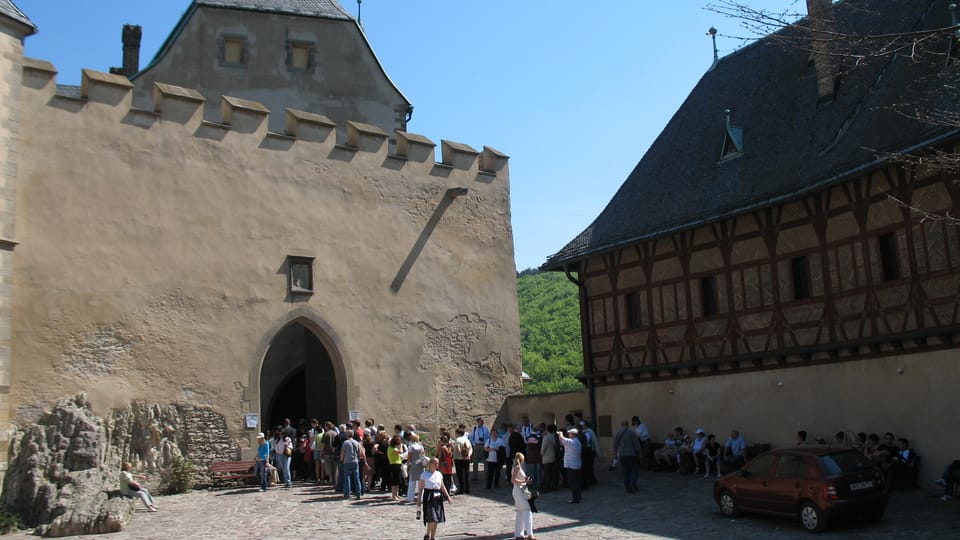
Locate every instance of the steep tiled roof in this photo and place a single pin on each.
(8, 8)
(325, 9)
(791, 143)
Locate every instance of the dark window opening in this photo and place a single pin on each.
(730, 149)
(299, 275)
(889, 257)
(801, 277)
(633, 310)
(708, 295)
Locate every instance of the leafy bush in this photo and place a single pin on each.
(9, 522)
(180, 477)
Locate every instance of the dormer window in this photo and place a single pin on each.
(732, 141)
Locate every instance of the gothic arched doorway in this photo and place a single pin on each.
(297, 378)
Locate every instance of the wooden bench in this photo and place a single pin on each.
(225, 471)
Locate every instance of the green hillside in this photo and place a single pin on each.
(549, 331)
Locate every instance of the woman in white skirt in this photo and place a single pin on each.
(523, 526)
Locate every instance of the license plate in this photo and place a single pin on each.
(856, 486)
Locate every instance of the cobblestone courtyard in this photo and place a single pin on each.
(668, 506)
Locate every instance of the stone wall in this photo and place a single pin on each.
(64, 465)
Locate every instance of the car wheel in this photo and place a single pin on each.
(812, 517)
(728, 505)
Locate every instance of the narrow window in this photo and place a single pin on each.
(300, 275)
(633, 310)
(708, 295)
(232, 51)
(801, 278)
(889, 259)
(300, 56)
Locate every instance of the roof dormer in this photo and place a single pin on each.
(732, 141)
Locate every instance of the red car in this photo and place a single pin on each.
(815, 484)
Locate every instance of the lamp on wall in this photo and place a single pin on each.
(780, 384)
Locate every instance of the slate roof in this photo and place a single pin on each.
(791, 145)
(8, 8)
(325, 9)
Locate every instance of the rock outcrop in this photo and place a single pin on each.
(64, 468)
(60, 474)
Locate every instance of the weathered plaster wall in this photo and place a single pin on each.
(867, 395)
(871, 395)
(346, 83)
(153, 258)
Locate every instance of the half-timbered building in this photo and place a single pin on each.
(773, 263)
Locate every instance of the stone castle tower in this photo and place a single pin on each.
(259, 244)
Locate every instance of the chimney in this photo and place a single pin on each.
(825, 59)
(131, 51)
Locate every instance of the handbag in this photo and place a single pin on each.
(133, 486)
(528, 493)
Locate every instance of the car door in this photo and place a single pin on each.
(752, 483)
(786, 485)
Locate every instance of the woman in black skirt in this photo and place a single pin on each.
(432, 493)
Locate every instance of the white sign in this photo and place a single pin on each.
(354, 415)
(253, 420)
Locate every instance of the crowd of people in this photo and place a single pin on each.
(358, 458)
(702, 453)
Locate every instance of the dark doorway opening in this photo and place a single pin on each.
(297, 380)
(290, 399)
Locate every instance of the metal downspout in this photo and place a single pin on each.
(585, 332)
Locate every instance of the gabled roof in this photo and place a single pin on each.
(8, 8)
(324, 9)
(792, 144)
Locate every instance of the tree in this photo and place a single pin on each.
(549, 331)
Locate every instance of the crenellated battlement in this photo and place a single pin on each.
(112, 95)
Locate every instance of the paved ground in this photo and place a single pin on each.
(668, 506)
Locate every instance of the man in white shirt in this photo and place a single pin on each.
(735, 451)
(525, 428)
(644, 435)
(572, 450)
(478, 438)
(462, 454)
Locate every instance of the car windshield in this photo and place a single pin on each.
(844, 462)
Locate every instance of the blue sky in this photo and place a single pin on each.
(574, 91)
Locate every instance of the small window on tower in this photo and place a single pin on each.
(300, 274)
(300, 56)
(233, 51)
